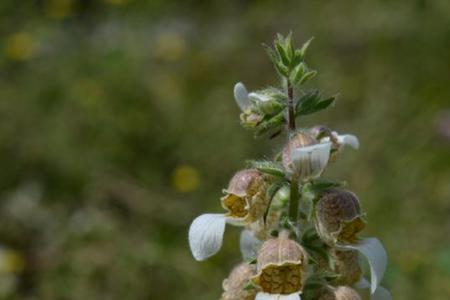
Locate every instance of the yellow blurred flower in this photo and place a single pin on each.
(185, 179)
(58, 9)
(170, 46)
(11, 261)
(19, 46)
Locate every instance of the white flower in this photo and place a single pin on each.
(380, 293)
(310, 161)
(341, 140)
(206, 235)
(241, 96)
(374, 252)
(267, 296)
(246, 202)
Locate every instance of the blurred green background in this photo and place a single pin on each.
(118, 127)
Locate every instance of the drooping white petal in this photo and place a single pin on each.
(241, 96)
(310, 161)
(249, 244)
(348, 139)
(380, 294)
(267, 296)
(206, 235)
(362, 284)
(375, 254)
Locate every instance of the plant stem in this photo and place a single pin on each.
(293, 203)
(291, 112)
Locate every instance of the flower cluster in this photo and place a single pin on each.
(301, 232)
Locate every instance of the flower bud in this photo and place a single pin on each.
(338, 217)
(268, 101)
(340, 293)
(281, 266)
(234, 285)
(246, 199)
(304, 156)
(250, 119)
(346, 265)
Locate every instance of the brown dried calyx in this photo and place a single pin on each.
(245, 198)
(281, 266)
(346, 265)
(234, 285)
(339, 293)
(339, 217)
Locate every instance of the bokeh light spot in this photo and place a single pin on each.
(20, 46)
(185, 179)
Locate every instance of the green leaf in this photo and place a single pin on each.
(311, 103)
(268, 167)
(282, 69)
(307, 101)
(272, 54)
(321, 184)
(307, 76)
(325, 103)
(298, 73)
(282, 53)
(249, 286)
(304, 48)
(272, 123)
(289, 48)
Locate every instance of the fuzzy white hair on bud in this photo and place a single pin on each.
(206, 235)
(259, 97)
(249, 244)
(310, 161)
(267, 296)
(241, 96)
(374, 252)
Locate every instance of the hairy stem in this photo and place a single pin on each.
(293, 203)
(291, 112)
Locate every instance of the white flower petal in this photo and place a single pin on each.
(380, 294)
(267, 296)
(348, 139)
(206, 235)
(241, 96)
(249, 244)
(376, 255)
(310, 161)
(362, 284)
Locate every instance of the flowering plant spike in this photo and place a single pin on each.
(300, 231)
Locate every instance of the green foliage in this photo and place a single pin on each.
(312, 102)
(268, 167)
